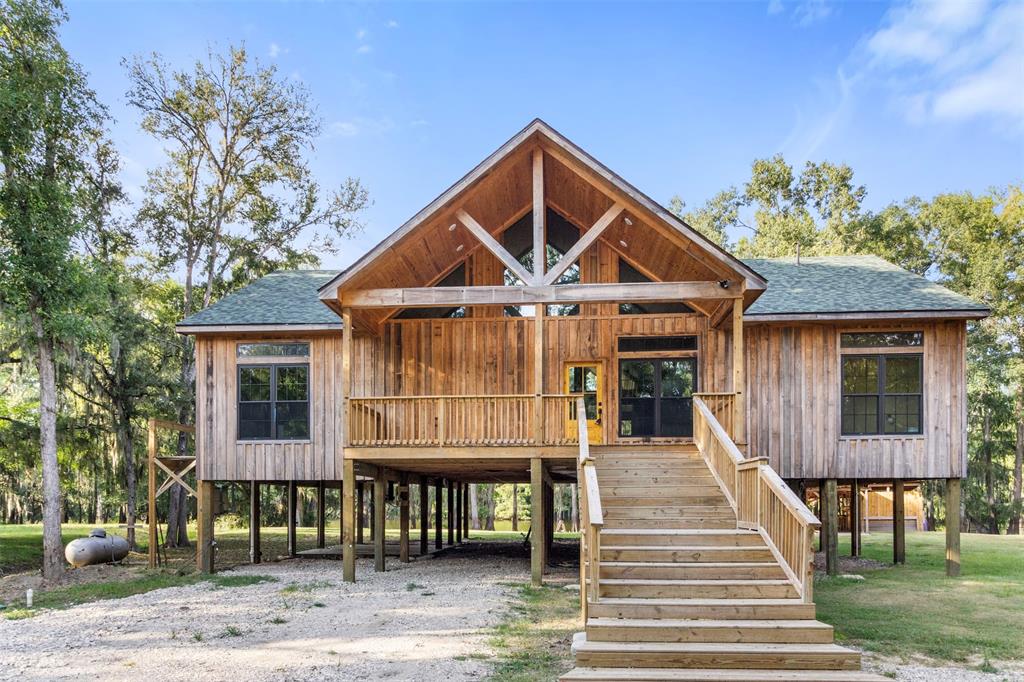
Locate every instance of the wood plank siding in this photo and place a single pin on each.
(794, 405)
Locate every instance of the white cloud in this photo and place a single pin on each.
(811, 12)
(364, 49)
(361, 34)
(360, 126)
(276, 50)
(391, 23)
(953, 60)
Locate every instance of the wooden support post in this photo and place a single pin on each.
(380, 485)
(832, 533)
(348, 520)
(465, 512)
(403, 519)
(321, 515)
(360, 510)
(373, 511)
(151, 511)
(438, 523)
(341, 514)
(953, 527)
(739, 433)
(539, 216)
(822, 516)
(538, 375)
(424, 514)
(451, 512)
(855, 514)
(204, 541)
(458, 513)
(537, 514)
(899, 524)
(255, 556)
(549, 523)
(290, 516)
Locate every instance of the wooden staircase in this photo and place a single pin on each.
(685, 592)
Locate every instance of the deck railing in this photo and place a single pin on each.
(462, 420)
(592, 516)
(722, 406)
(762, 501)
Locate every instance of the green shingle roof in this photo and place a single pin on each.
(284, 297)
(825, 284)
(849, 284)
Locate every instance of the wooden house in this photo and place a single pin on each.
(544, 321)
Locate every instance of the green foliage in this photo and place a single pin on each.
(533, 642)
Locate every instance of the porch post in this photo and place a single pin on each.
(739, 434)
(379, 487)
(254, 522)
(348, 520)
(855, 514)
(204, 541)
(321, 513)
(831, 539)
(438, 523)
(899, 525)
(465, 511)
(537, 515)
(403, 519)
(360, 511)
(538, 374)
(953, 527)
(424, 514)
(458, 513)
(292, 495)
(451, 512)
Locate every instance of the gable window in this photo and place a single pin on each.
(882, 393)
(561, 235)
(273, 402)
(628, 275)
(267, 350)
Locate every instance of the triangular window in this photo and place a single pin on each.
(628, 274)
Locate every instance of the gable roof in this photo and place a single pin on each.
(286, 297)
(537, 127)
(821, 287)
(847, 285)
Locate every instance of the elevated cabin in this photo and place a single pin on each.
(456, 350)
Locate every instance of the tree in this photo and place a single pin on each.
(235, 198)
(48, 116)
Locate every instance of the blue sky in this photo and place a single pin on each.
(678, 98)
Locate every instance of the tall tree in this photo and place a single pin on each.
(236, 197)
(48, 116)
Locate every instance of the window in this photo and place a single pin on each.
(273, 402)
(628, 274)
(518, 240)
(283, 350)
(656, 397)
(647, 344)
(881, 394)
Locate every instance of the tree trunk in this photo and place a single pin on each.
(1018, 472)
(515, 507)
(126, 449)
(990, 479)
(491, 504)
(53, 549)
(474, 508)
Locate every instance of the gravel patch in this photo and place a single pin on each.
(426, 620)
(914, 672)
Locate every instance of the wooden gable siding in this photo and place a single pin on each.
(794, 406)
(222, 457)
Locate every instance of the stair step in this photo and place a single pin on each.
(684, 630)
(684, 554)
(694, 523)
(713, 675)
(701, 607)
(741, 655)
(654, 498)
(659, 570)
(689, 589)
(681, 537)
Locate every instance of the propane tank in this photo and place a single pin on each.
(98, 548)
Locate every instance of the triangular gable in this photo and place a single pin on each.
(505, 174)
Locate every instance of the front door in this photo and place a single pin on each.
(656, 397)
(583, 379)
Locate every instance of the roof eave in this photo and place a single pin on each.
(868, 315)
(257, 328)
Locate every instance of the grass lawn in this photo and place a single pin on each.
(915, 609)
(533, 642)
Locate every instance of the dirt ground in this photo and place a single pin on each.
(421, 621)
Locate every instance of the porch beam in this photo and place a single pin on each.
(539, 217)
(492, 245)
(447, 297)
(584, 243)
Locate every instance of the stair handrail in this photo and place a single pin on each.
(592, 516)
(761, 499)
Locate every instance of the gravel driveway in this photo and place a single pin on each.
(418, 621)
